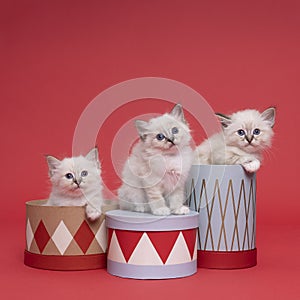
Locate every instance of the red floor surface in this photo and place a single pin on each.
(275, 277)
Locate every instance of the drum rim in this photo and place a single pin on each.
(135, 221)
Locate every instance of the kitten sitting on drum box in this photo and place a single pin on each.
(155, 173)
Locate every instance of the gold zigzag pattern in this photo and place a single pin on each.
(193, 205)
(223, 214)
(247, 242)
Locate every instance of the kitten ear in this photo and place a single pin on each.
(177, 113)
(93, 156)
(224, 120)
(53, 164)
(269, 115)
(142, 128)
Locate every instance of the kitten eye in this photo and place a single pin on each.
(256, 131)
(175, 130)
(69, 176)
(160, 136)
(241, 132)
(84, 173)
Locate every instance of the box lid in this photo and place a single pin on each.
(128, 220)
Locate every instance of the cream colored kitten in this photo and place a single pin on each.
(77, 181)
(246, 134)
(155, 173)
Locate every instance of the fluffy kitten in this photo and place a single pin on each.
(245, 135)
(77, 181)
(155, 173)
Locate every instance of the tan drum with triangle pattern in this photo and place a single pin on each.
(225, 197)
(61, 238)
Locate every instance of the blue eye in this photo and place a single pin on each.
(69, 176)
(241, 132)
(256, 131)
(84, 173)
(175, 130)
(160, 136)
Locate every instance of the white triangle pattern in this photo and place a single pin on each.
(101, 236)
(145, 253)
(62, 237)
(195, 249)
(114, 251)
(29, 234)
(180, 252)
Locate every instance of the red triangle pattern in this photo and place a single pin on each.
(190, 239)
(84, 236)
(163, 242)
(109, 236)
(41, 236)
(128, 241)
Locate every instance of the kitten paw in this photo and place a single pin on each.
(139, 208)
(183, 210)
(162, 211)
(92, 213)
(252, 166)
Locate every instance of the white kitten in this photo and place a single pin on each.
(77, 181)
(155, 173)
(245, 135)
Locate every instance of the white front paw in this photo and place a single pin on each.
(92, 213)
(252, 166)
(139, 208)
(183, 210)
(162, 211)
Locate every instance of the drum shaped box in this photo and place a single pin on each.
(144, 246)
(225, 197)
(61, 238)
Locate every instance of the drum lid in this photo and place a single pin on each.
(128, 220)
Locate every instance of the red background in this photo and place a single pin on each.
(56, 56)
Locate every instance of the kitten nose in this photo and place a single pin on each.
(249, 138)
(77, 182)
(171, 140)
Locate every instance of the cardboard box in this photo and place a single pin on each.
(225, 197)
(144, 246)
(61, 238)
